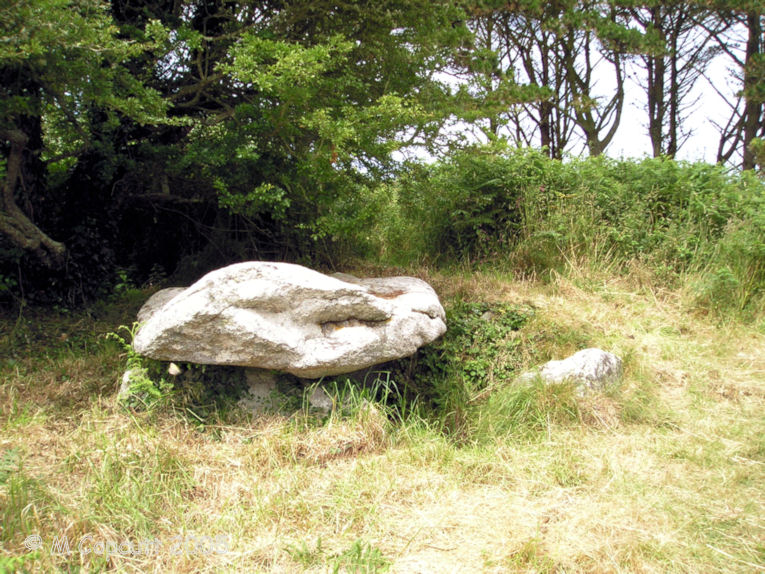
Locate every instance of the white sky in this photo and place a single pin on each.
(631, 139)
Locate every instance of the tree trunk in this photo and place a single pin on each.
(753, 106)
(14, 223)
(674, 98)
(546, 107)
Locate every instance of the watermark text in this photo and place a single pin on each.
(184, 544)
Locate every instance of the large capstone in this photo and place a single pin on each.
(157, 301)
(289, 318)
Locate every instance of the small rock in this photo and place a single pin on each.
(269, 392)
(591, 369)
(320, 400)
(487, 316)
(127, 379)
(261, 392)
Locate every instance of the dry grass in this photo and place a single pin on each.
(665, 474)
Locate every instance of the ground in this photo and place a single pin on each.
(664, 474)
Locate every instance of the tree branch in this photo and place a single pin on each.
(13, 222)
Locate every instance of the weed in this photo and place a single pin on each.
(208, 392)
(305, 555)
(9, 464)
(140, 390)
(132, 488)
(662, 473)
(477, 353)
(19, 564)
(350, 397)
(529, 556)
(598, 215)
(360, 558)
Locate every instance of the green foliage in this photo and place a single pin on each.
(468, 380)
(305, 555)
(285, 70)
(352, 398)
(757, 147)
(16, 564)
(481, 205)
(207, 393)
(478, 352)
(143, 388)
(7, 284)
(132, 490)
(674, 218)
(123, 283)
(270, 134)
(472, 205)
(25, 498)
(72, 51)
(143, 392)
(529, 556)
(361, 558)
(201, 393)
(9, 464)
(481, 335)
(265, 198)
(309, 120)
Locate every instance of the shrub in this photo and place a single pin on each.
(676, 219)
(478, 352)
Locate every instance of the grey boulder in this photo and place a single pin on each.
(590, 369)
(289, 318)
(157, 301)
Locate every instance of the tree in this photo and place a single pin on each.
(296, 107)
(57, 58)
(559, 48)
(738, 30)
(601, 41)
(678, 54)
(525, 52)
(282, 113)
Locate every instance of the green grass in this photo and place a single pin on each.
(440, 462)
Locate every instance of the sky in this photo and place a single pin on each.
(631, 140)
